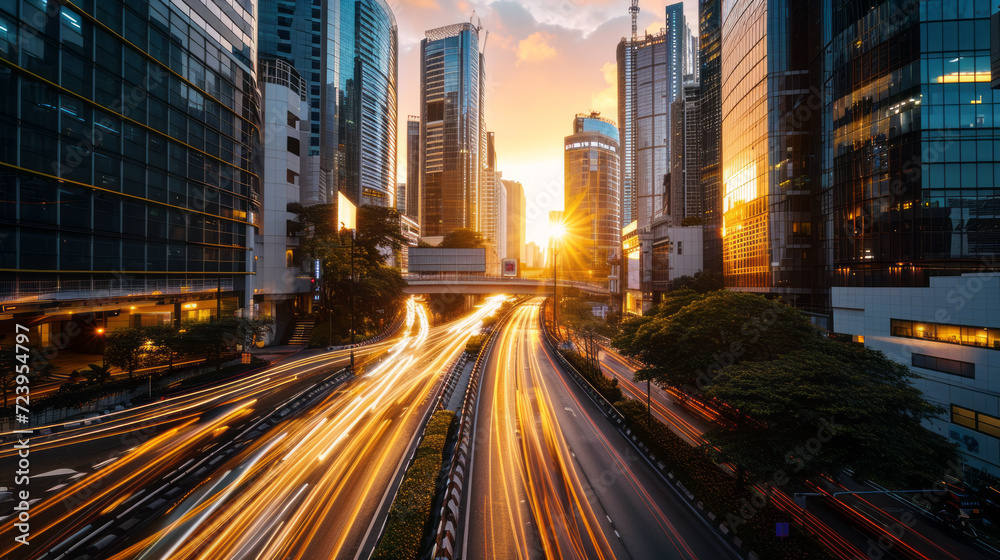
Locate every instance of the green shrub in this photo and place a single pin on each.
(475, 344)
(411, 509)
(608, 388)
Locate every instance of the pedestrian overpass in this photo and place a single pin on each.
(437, 284)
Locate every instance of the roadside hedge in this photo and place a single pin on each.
(608, 388)
(720, 492)
(475, 344)
(411, 509)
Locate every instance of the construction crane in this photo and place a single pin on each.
(634, 11)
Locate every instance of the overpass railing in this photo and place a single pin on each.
(436, 279)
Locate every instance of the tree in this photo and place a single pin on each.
(578, 315)
(316, 228)
(688, 347)
(212, 339)
(633, 336)
(463, 238)
(124, 349)
(377, 288)
(378, 235)
(167, 343)
(95, 373)
(827, 407)
(702, 282)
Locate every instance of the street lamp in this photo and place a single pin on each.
(104, 348)
(347, 215)
(556, 232)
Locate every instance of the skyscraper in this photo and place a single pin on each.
(133, 160)
(625, 58)
(709, 108)
(770, 200)
(352, 72)
(452, 136)
(592, 207)
(515, 219)
(492, 208)
(413, 167)
(684, 197)
(912, 162)
(280, 289)
(651, 71)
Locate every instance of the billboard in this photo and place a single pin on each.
(509, 267)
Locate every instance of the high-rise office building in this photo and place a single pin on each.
(709, 107)
(413, 167)
(770, 200)
(401, 198)
(912, 161)
(281, 288)
(347, 52)
(129, 144)
(683, 200)
(489, 196)
(592, 208)
(452, 135)
(492, 208)
(515, 219)
(651, 71)
(625, 58)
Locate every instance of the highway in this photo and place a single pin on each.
(274, 454)
(550, 476)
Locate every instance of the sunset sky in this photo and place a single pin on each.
(546, 61)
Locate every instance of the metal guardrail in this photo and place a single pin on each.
(447, 532)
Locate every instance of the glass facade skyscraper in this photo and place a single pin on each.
(413, 168)
(915, 154)
(592, 214)
(452, 135)
(625, 57)
(710, 43)
(684, 195)
(769, 200)
(347, 51)
(129, 139)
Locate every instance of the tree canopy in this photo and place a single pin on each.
(827, 407)
(689, 338)
(702, 282)
(463, 238)
(377, 288)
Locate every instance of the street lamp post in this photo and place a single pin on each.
(555, 232)
(555, 290)
(352, 300)
(347, 216)
(104, 348)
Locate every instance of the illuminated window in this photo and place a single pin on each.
(963, 417)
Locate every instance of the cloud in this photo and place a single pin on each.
(606, 100)
(535, 48)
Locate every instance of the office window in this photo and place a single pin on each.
(964, 335)
(944, 365)
(963, 417)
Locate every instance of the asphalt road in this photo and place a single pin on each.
(271, 463)
(552, 478)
